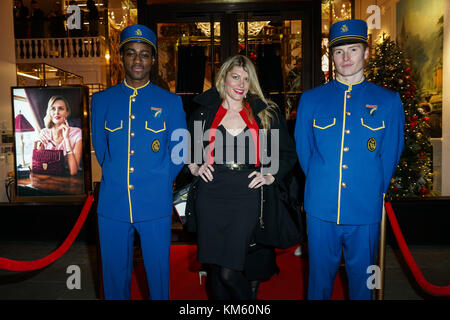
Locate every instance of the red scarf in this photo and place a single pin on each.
(252, 125)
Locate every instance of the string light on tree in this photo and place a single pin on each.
(389, 68)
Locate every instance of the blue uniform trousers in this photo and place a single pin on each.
(326, 242)
(116, 244)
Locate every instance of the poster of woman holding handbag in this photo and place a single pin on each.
(233, 185)
(51, 142)
(59, 135)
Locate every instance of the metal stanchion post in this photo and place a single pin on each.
(382, 254)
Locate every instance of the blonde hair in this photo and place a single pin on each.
(48, 118)
(266, 116)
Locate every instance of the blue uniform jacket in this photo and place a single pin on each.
(131, 134)
(349, 139)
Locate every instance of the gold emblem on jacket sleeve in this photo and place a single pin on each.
(156, 145)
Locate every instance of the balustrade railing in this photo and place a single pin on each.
(44, 48)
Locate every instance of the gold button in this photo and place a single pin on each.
(131, 170)
(132, 134)
(133, 99)
(344, 166)
(132, 116)
(131, 187)
(346, 149)
(349, 95)
(347, 131)
(348, 113)
(131, 151)
(344, 185)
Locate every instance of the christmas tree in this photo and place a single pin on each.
(389, 68)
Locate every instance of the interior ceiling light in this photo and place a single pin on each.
(254, 28)
(28, 75)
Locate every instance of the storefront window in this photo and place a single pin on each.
(188, 57)
(189, 45)
(332, 11)
(275, 47)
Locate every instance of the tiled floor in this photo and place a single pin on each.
(50, 283)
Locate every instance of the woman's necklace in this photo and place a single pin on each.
(232, 121)
(55, 137)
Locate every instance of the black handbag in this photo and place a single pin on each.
(179, 202)
(284, 229)
(184, 203)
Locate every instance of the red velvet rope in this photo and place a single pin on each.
(442, 291)
(15, 265)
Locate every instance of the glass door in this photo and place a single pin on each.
(282, 39)
(188, 57)
(275, 46)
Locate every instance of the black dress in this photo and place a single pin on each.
(227, 209)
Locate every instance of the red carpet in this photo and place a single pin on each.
(289, 284)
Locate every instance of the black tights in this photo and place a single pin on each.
(229, 284)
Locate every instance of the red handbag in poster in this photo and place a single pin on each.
(48, 162)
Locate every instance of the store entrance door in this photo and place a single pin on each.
(194, 39)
